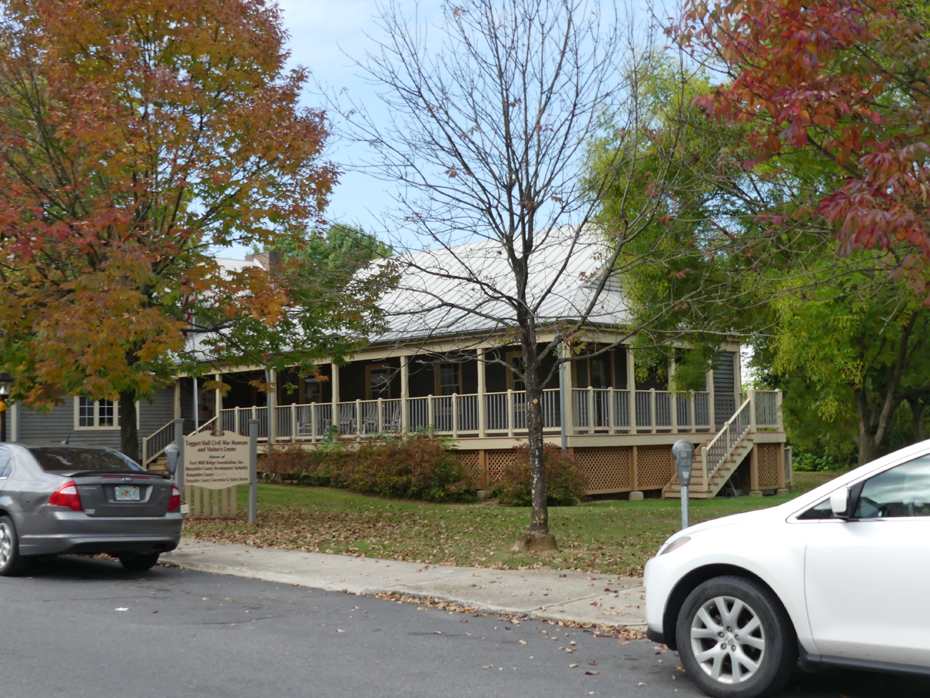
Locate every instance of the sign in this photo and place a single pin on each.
(216, 462)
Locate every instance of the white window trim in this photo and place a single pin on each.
(115, 427)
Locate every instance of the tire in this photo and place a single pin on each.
(735, 639)
(135, 562)
(11, 562)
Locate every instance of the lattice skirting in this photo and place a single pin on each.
(655, 467)
(472, 462)
(605, 469)
(769, 465)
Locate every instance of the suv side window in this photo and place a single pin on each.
(902, 491)
(6, 465)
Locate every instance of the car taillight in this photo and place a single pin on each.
(66, 496)
(175, 502)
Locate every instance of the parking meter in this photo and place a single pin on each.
(172, 453)
(683, 452)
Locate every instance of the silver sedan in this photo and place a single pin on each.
(57, 499)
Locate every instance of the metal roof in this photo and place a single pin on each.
(472, 289)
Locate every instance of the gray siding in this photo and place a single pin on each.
(58, 424)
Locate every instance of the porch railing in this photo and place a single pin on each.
(594, 411)
(614, 411)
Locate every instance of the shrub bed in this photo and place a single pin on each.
(411, 467)
(564, 483)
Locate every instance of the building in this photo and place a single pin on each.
(442, 366)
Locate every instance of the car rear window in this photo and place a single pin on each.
(64, 459)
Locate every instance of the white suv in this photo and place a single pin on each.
(839, 576)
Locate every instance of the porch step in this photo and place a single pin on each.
(697, 489)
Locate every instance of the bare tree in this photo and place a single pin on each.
(486, 130)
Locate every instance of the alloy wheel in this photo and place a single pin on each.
(727, 639)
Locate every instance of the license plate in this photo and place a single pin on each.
(127, 493)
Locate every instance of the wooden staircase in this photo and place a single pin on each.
(715, 462)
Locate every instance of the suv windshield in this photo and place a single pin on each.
(68, 458)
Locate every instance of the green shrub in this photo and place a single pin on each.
(414, 466)
(807, 462)
(564, 483)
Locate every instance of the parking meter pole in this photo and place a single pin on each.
(684, 507)
(683, 452)
(253, 470)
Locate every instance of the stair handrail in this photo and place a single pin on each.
(158, 441)
(726, 440)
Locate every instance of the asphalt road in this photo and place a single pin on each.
(82, 627)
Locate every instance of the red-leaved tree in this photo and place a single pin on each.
(136, 136)
(841, 86)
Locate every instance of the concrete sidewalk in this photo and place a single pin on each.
(542, 594)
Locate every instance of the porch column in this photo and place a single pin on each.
(218, 405)
(482, 406)
(711, 399)
(335, 379)
(568, 386)
(631, 387)
(273, 406)
(404, 392)
(672, 396)
(177, 398)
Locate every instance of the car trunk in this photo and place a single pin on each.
(123, 494)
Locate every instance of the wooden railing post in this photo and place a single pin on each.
(455, 415)
(654, 416)
(591, 420)
(430, 422)
(633, 420)
(611, 410)
(358, 417)
(294, 423)
(673, 408)
(778, 418)
(510, 411)
(752, 410)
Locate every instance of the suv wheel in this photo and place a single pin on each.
(735, 639)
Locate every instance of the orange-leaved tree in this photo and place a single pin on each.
(840, 87)
(136, 137)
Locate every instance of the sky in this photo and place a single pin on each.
(325, 37)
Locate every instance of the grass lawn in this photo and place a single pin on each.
(610, 536)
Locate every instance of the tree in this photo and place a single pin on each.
(485, 131)
(844, 83)
(137, 136)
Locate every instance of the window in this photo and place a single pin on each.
(902, 491)
(448, 379)
(379, 381)
(515, 361)
(6, 467)
(96, 414)
(312, 390)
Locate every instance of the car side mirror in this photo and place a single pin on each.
(839, 503)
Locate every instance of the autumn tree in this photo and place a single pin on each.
(137, 138)
(843, 84)
(485, 131)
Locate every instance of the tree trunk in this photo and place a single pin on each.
(128, 431)
(538, 538)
